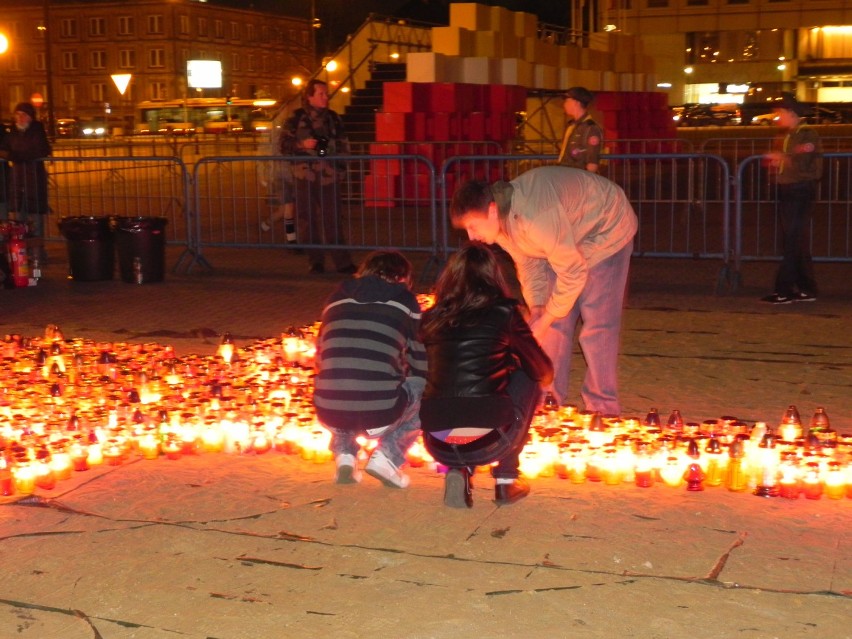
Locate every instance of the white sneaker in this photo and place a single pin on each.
(383, 469)
(264, 226)
(347, 470)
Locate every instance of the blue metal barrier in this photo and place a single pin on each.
(122, 187)
(383, 201)
(756, 228)
(682, 200)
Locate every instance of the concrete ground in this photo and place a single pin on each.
(262, 546)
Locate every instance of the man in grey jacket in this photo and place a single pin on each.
(570, 235)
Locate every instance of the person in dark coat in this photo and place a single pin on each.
(313, 133)
(25, 145)
(484, 379)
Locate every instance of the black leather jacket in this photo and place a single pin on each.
(474, 362)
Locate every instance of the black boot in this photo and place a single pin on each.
(457, 491)
(510, 493)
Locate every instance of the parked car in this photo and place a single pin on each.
(815, 115)
(764, 119)
(93, 129)
(708, 115)
(67, 128)
(822, 115)
(100, 127)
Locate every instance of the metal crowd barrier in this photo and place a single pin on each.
(681, 199)
(688, 205)
(735, 150)
(123, 187)
(757, 227)
(383, 201)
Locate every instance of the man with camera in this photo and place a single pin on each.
(312, 134)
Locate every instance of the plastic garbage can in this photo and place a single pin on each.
(91, 253)
(141, 244)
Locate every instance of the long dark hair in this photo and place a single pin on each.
(470, 282)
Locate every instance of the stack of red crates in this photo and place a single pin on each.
(436, 120)
(633, 115)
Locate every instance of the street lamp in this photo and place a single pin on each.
(4, 47)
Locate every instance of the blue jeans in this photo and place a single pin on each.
(599, 307)
(399, 436)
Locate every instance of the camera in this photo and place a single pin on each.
(322, 146)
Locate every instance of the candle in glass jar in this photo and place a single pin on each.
(811, 482)
(6, 483)
(835, 483)
(61, 466)
(149, 447)
(24, 479)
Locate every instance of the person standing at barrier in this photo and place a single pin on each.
(484, 378)
(797, 164)
(570, 234)
(313, 133)
(25, 145)
(280, 197)
(371, 368)
(581, 144)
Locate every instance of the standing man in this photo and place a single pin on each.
(315, 132)
(581, 144)
(25, 145)
(570, 234)
(797, 163)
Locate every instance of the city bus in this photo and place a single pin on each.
(204, 115)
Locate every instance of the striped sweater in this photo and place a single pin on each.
(367, 346)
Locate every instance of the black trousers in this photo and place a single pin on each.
(503, 444)
(796, 272)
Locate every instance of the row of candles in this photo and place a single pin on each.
(69, 405)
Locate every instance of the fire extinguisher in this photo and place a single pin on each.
(18, 261)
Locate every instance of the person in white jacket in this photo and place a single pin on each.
(570, 233)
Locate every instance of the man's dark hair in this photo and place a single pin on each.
(473, 195)
(391, 266)
(310, 86)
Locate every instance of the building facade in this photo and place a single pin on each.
(67, 52)
(741, 50)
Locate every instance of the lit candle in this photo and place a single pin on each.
(672, 472)
(788, 482)
(172, 448)
(95, 455)
(811, 482)
(24, 479)
(60, 465)
(644, 470)
(149, 447)
(80, 457)
(212, 439)
(6, 483)
(835, 483)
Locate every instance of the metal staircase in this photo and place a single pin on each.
(359, 115)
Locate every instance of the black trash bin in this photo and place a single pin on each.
(91, 253)
(141, 243)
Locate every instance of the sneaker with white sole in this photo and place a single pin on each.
(383, 469)
(801, 296)
(776, 299)
(347, 470)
